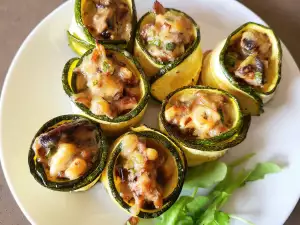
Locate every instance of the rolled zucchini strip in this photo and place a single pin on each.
(108, 86)
(145, 172)
(247, 64)
(68, 153)
(167, 45)
(203, 121)
(109, 22)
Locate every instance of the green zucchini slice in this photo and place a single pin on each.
(98, 88)
(170, 54)
(203, 121)
(110, 22)
(68, 153)
(247, 64)
(77, 45)
(140, 158)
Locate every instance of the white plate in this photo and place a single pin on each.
(33, 94)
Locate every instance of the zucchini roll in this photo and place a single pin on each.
(68, 153)
(203, 121)
(247, 64)
(103, 21)
(145, 172)
(167, 45)
(108, 86)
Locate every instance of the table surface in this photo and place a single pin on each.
(18, 18)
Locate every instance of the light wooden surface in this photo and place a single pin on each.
(18, 18)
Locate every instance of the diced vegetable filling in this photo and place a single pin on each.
(105, 85)
(169, 36)
(67, 151)
(142, 171)
(107, 19)
(201, 115)
(248, 57)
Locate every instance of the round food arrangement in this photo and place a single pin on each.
(206, 99)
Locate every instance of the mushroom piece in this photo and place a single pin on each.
(251, 70)
(253, 41)
(249, 43)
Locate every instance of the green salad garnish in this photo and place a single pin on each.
(225, 179)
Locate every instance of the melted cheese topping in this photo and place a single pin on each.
(200, 115)
(67, 152)
(105, 85)
(169, 36)
(143, 170)
(248, 57)
(107, 19)
(61, 159)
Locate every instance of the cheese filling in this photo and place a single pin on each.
(142, 172)
(68, 151)
(169, 35)
(248, 57)
(107, 19)
(105, 85)
(201, 115)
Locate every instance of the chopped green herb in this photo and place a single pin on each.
(51, 150)
(105, 66)
(155, 42)
(259, 77)
(95, 82)
(170, 46)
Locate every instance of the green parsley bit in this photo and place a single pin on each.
(106, 66)
(170, 46)
(95, 82)
(259, 77)
(155, 42)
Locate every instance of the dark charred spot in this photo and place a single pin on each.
(122, 173)
(41, 152)
(247, 69)
(106, 34)
(110, 23)
(148, 205)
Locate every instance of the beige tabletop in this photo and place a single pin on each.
(18, 18)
